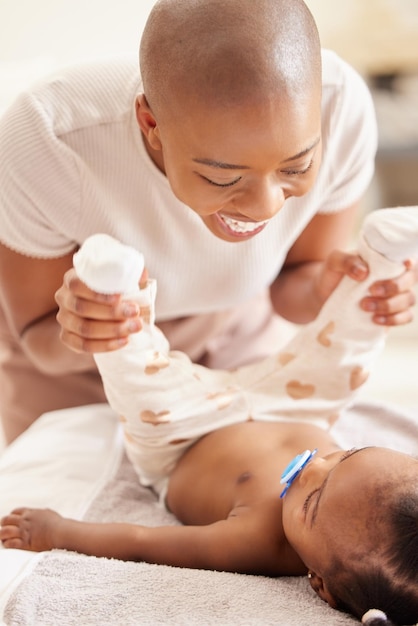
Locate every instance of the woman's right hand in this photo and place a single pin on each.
(92, 322)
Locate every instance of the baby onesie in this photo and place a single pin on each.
(166, 402)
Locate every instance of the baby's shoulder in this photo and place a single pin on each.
(260, 530)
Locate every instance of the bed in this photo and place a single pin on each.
(73, 461)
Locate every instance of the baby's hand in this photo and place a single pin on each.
(30, 529)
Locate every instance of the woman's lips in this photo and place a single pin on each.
(239, 228)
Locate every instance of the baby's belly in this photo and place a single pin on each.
(235, 466)
(201, 489)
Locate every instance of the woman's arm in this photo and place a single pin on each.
(28, 289)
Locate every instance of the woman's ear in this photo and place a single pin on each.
(319, 586)
(147, 122)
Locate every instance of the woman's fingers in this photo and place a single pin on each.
(391, 301)
(92, 322)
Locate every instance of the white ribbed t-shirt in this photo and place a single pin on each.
(73, 163)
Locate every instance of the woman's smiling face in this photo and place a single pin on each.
(236, 167)
(332, 508)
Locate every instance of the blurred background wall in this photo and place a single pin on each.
(380, 39)
(70, 29)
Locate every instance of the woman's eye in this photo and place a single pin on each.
(298, 172)
(229, 184)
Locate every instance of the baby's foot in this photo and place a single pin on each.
(106, 265)
(31, 529)
(393, 232)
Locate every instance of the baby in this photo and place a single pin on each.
(213, 445)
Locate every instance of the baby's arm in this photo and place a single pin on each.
(246, 542)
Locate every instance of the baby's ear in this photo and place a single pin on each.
(320, 587)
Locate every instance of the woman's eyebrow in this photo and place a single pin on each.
(324, 484)
(305, 151)
(221, 164)
(233, 166)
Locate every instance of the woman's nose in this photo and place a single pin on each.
(261, 202)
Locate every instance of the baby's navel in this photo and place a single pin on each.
(244, 477)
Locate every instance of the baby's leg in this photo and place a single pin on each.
(164, 401)
(321, 369)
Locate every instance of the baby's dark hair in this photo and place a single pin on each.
(390, 581)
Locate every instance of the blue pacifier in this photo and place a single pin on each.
(294, 469)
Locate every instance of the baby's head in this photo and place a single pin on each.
(353, 519)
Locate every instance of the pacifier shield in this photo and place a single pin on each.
(294, 468)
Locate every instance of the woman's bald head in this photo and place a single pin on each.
(227, 52)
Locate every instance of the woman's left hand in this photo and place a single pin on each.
(391, 302)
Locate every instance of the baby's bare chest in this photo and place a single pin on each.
(236, 465)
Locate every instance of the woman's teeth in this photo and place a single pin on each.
(241, 227)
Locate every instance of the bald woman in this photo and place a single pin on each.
(234, 159)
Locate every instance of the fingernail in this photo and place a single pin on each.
(359, 270)
(369, 305)
(378, 290)
(130, 309)
(133, 326)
